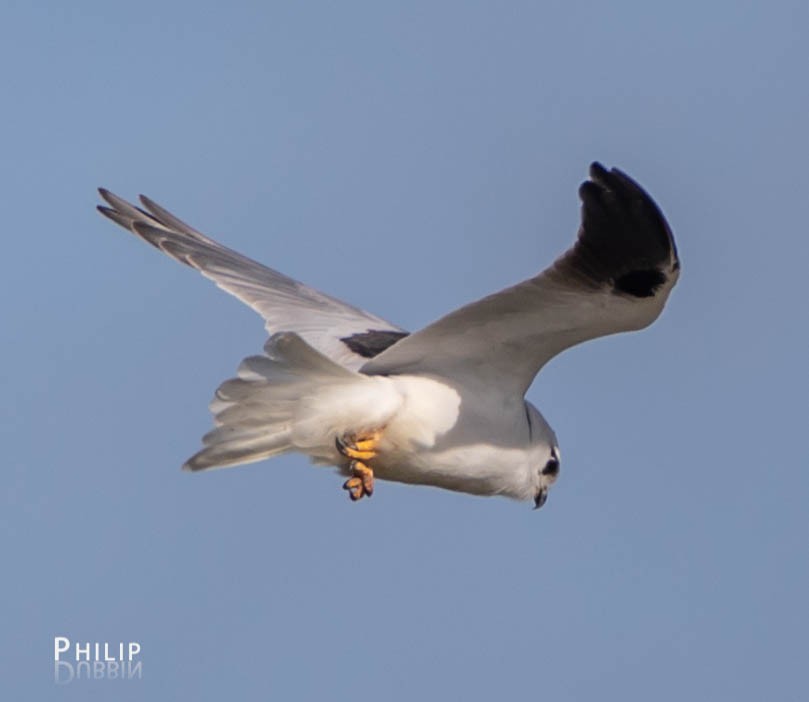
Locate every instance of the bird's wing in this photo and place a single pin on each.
(344, 333)
(616, 278)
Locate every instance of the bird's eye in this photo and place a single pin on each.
(551, 467)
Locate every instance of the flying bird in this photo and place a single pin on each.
(444, 406)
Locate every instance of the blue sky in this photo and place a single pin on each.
(407, 157)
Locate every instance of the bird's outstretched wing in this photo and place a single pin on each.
(616, 278)
(346, 334)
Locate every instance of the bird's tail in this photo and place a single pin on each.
(283, 401)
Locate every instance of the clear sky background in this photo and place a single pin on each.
(407, 157)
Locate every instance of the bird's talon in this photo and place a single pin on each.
(358, 447)
(354, 487)
(361, 482)
(367, 443)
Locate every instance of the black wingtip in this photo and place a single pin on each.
(597, 171)
(618, 197)
(624, 241)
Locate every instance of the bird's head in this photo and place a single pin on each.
(545, 456)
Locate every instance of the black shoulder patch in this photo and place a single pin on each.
(373, 342)
(643, 283)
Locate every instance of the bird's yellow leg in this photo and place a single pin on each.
(359, 449)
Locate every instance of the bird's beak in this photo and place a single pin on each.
(541, 498)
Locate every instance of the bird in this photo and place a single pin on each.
(443, 406)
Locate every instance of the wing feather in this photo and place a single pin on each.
(615, 278)
(324, 322)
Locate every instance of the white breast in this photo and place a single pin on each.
(444, 436)
(429, 410)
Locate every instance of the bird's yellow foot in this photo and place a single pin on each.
(359, 449)
(361, 482)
